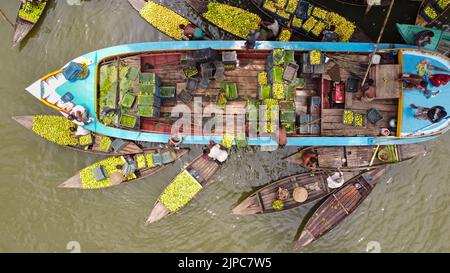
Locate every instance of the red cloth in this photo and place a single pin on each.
(439, 79)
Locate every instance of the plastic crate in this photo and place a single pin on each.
(373, 115)
(277, 74)
(287, 116)
(128, 121)
(289, 57)
(229, 57)
(191, 84)
(72, 71)
(167, 92)
(302, 10)
(264, 92)
(290, 72)
(231, 91)
(127, 100)
(185, 97)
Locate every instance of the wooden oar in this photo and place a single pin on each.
(378, 41)
(6, 18)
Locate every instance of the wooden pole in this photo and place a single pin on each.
(378, 41)
(6, 18)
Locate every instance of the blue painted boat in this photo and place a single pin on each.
(440, 42)
(319, 99)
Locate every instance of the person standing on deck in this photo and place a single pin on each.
(250, 43)
(273, 27)
(424, 38)
(434, 114)
(411, 81)
(191, 32)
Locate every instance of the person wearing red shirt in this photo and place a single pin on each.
(439, 79)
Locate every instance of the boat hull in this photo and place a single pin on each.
(87, 98)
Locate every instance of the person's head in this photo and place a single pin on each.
(181, 26)
(423, 84)
(332, 28)
(370, 82)
(313, 160)
(431, 34)
(119, 167)
(72, 129)
(252, 31)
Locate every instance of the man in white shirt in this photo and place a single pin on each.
(336, 180)
(79, 115)
(218, 154)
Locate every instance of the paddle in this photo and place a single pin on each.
(6, 19)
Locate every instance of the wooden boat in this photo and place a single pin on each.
(339, 206)
(153, 18)
(262, 200)
(125, 148)
(85, 179)
(348, 158)
(440, 42)
(431, 11)
(296, 21)
(23, 25)
(199, 171)
(201, 8)
(317, 110)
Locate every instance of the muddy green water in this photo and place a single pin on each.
(408, 211)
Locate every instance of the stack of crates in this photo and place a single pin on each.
(149, 99)
(287, 116)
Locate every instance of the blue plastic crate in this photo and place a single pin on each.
(72, 71)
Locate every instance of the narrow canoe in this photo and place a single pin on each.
(127, 147)
(440, 42)
(22, 26)
(357, 36)
(363, 3)
(357, 157)
(430, 12)
(170, 29)
(261, 201)
(76, 182)
(204, 168)
(339, 206)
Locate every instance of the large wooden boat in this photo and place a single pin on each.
(309, 20)
(432, 11)
(339, 206)
(153, 12)
(123, 147)
(184, 187)
(146, 166)
(262, 200)
(311, 107)
(27, 17)
(440, 42)
(354, 158)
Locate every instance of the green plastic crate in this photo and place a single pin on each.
(148, 89)
(278, 56)
(128, 121)
(290, 92)
(145, 110)
(231, 91)
(299, 82)
(264, 92)
(287, 116)
(125, 85)
(289, 57)
(148, 77)
(167, 92)
(277, 74)
(290, 127)
(145, 99)
(133, 74)
(127, 100)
